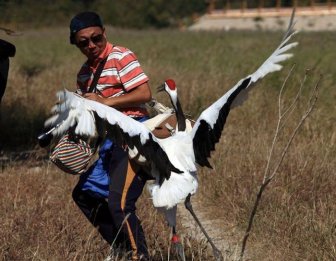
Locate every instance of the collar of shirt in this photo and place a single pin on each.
(102, 56)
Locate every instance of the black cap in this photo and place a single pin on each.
(83, 20)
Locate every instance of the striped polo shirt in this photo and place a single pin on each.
(122, 72)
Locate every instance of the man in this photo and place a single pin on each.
(6, 50)
(122, 85)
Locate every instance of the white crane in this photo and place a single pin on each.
(173, 161)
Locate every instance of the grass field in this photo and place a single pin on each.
(296, 218)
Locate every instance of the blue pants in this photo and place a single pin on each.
(107, 193)
(96, 179)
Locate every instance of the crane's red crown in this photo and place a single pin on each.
(171, 84)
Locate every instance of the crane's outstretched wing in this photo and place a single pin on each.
(85, 115)
(209, 126)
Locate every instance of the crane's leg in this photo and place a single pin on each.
(177, 246)
(216, 252)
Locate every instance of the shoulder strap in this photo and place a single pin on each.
(97, 75)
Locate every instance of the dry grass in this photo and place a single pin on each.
(296, 218)
(40, 221)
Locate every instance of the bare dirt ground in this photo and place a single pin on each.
(227, 239)
(322, 22)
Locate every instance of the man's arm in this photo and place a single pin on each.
(135, 97)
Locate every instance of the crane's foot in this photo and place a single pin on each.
(217, 254)
(177, 248)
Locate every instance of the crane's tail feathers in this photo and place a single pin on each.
(174, 190)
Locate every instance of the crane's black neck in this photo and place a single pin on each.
(181, 120)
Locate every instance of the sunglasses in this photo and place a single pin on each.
(95, 39)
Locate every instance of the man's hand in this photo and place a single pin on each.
(94, 97)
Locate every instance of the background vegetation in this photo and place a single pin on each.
(296, 220)
(121, 13)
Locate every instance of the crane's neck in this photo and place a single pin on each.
(181, 120)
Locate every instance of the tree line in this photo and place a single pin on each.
(138, 14)
(120, 13)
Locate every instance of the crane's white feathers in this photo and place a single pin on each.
(82, 114)
(178, 186)
(172, 160)
(174, 190)
(208, 127)
(71, 112)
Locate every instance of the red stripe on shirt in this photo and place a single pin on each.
(122, 72)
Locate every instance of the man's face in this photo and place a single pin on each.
(91, 41)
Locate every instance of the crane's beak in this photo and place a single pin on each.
(161, 88)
